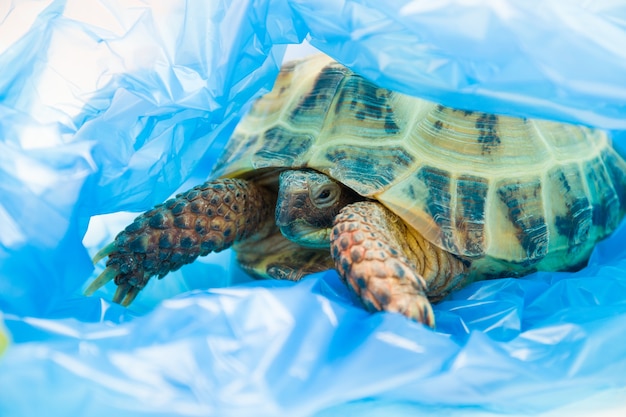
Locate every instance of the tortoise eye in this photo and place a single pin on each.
(323, 195)
(326, 196)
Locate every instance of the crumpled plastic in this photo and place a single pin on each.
(109, 107)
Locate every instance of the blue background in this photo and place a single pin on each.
(110, 108)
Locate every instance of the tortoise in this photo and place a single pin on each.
(406, 198)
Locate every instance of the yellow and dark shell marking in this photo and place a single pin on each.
(531, 194)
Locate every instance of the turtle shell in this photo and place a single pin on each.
(478, 185)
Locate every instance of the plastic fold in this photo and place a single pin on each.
(109, 107)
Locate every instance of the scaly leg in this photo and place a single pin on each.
(389, 265)
(208, 218)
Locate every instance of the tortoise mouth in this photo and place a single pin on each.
(307, 235)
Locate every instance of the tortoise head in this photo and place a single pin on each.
(308, 202)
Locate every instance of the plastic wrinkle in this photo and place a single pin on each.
(108, 107)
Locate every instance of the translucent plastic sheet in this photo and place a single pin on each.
(108, 106)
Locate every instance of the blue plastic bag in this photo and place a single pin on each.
(107, 107)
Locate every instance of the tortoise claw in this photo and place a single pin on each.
(125, 294)
(122, 267)
(104, 252)
(107, 275)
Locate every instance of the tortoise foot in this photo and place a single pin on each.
(207, 218)
(366, 245)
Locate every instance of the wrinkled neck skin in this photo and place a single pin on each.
(308, 202)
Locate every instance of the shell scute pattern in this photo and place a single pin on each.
(616, 167)
(471, 194)
(257, 140)
(358, 169)
(282, 146)
(488, 137)
(366, 101)
(438, 202)
(573, 212)
(521, 202)
(313, 105)
(522, 191)
(234, 155)
(604, 200)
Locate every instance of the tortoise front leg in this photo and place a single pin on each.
(208, 218)
(387, 264)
